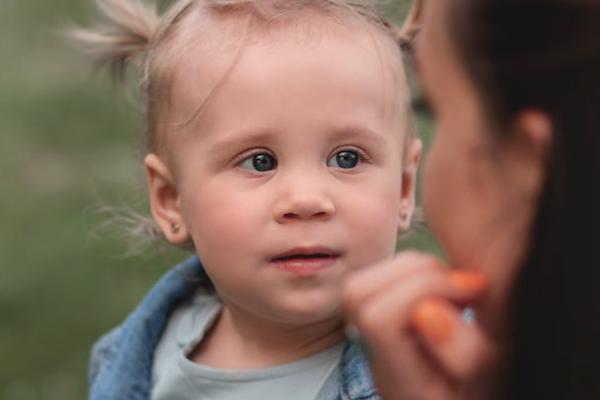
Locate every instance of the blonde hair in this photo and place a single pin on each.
(134, 33)
(412, 25)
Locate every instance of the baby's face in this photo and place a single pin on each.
(292, 175)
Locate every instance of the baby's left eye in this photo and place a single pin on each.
(259, 162)
(345, 159)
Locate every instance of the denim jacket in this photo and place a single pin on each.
(121, 363)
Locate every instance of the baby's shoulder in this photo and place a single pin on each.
(102, 350)
(186, 327)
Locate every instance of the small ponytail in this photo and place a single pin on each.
(125, 35)
(406, 35)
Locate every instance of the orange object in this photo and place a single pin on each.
(466, 280)
(434, 320)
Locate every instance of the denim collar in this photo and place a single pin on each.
(121, 367)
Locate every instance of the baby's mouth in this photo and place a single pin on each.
(306, 261)
(307, 253)
(316, 256)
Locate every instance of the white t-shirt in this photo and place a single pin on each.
(175, 377)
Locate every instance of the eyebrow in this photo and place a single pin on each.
(243, 139)
(248, 138)
(358, 132)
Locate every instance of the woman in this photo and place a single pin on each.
(510, 188)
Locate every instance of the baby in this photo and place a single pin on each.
(280, 148)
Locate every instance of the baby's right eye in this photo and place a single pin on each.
(260, 162)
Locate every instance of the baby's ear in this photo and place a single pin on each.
(409, 183)
(164, 200)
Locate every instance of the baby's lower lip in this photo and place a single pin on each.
(304, 266)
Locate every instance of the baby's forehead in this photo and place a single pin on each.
(212, 39)
(207, 48)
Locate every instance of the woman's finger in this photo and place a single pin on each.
(364, 283)
(396, 355)
(383, 309)
(392, 305)
(460, 347)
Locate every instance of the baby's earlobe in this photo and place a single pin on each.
(404, 220)
(177, 233)
(175, 228)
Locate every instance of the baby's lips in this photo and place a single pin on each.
(468, 280)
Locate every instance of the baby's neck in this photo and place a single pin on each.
(238, 340)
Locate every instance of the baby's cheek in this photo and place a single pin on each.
(373, 231)
(228, 221)
(215, 218)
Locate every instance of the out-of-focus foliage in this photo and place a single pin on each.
(67, 146)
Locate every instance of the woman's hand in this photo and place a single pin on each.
(410, 311)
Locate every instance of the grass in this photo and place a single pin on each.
(67, 146)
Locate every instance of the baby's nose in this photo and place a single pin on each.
(303, 204)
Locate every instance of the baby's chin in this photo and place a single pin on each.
(305, 310)
(309, 317)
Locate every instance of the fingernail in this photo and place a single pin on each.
(467, 280)
(434, 320)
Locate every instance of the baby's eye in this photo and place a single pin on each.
(260, 162)
(345, 159)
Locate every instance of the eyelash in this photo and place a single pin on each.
(250, 155)
(362, 155)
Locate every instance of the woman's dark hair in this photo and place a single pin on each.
(545, 55)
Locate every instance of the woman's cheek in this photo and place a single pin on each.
(437, 188)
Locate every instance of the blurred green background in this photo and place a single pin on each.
(68, 147)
